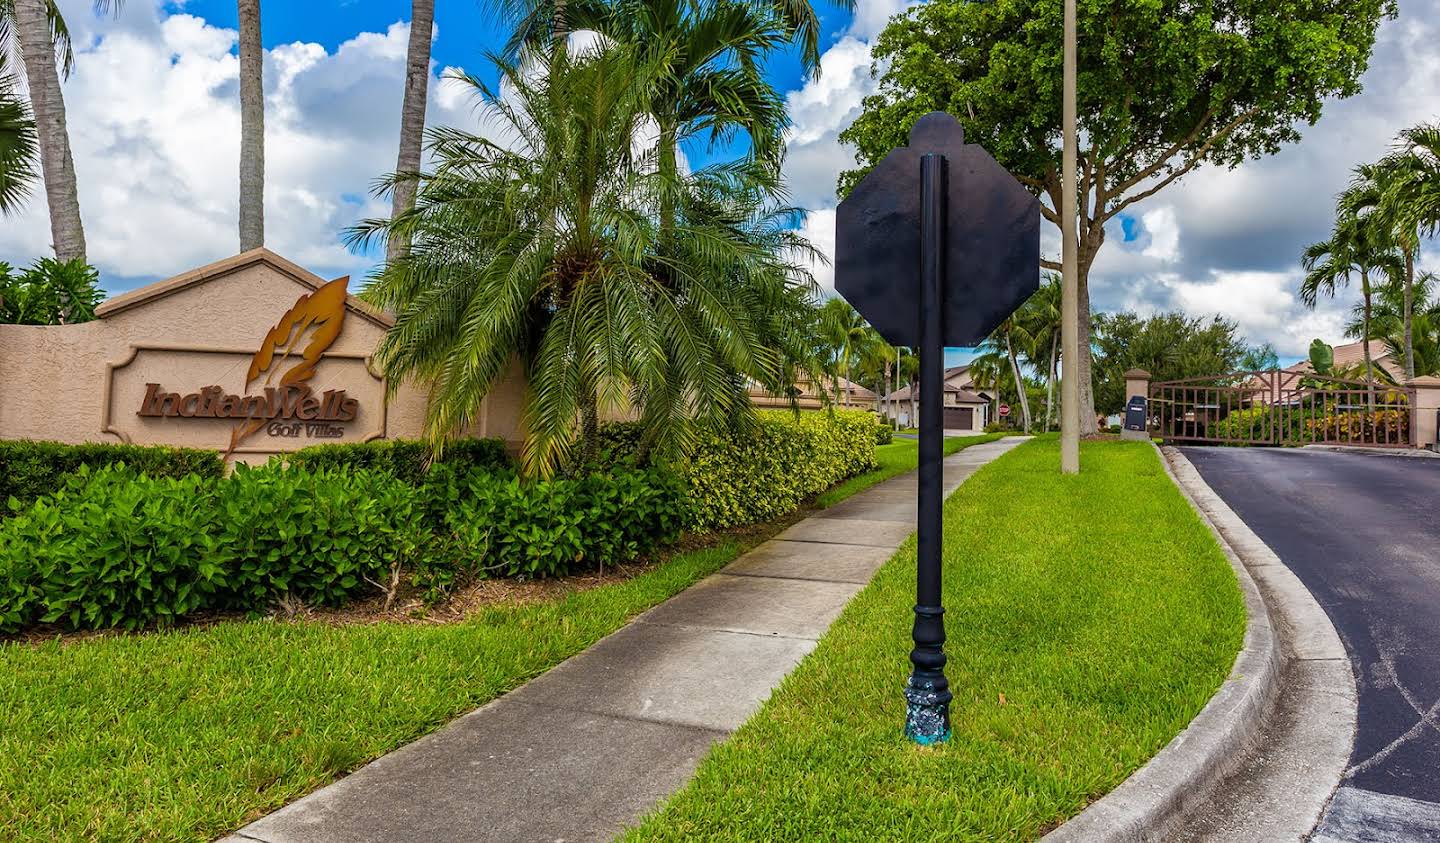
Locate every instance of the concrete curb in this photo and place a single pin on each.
(1146, 806)
(1374, 452)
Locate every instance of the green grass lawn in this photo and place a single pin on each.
(188, 734)
(1089, 619)
(898, 457)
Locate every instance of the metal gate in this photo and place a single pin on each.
(1279, 407)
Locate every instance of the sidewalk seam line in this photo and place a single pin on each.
(626, 717)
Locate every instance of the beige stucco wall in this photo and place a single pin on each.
(85, 383)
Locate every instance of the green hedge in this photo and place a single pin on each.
(495, 523)
(407, 459)
(30, 469)
(116, 548)
(757, 475)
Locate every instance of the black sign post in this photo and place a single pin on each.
(935, 246)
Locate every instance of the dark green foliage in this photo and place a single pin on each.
(29, 469)
(113, 548)
(49, 293)
(407, 459)
(324, 536)
(498, 524)
(1169, 346)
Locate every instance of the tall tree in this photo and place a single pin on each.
(547, 246)
(1164, 88)
(1040, 317)
(252, 128)
(1358, 245)
(1409, 181)
(850, 340)
(44, 43)
(1387, 321)
(18, 151)
(1169, 346)
(412, 113)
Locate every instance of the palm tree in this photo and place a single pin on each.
(849, 338)
(17, 144)
(412, 113)
(38, 29)
(1387, 321)
(708, 76)
(544, 242)
(1359, 244)
(252, 128)
(1409, 182)
(1040, 318)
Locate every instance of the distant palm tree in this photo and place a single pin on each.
(1359, 244)
(1387, 322)
(252, 128)
(850, 340)
(412, 113)
(1409, 182)
(18, 151)
(38, 29)
(544, 242)
(1039, 318)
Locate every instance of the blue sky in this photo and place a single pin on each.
(153, 114)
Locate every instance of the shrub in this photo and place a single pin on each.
(884, 433)
(739, 478)
(407, 459)
(323, 536)
(112, 548)
(30, 469)
(494, 523)
(1360, 426)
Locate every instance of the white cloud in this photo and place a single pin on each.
(819, 229)
(153, 111)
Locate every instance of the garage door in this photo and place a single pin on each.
(959, 418)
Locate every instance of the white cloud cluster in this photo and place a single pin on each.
(1219, 242)
(153, 110)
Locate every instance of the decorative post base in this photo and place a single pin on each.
(927, 710)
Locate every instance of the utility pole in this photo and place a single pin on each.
(1070, 291)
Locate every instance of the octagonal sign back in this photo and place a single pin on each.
(991, 240)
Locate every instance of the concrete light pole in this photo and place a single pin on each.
(1070, 291)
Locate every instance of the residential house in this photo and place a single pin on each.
(808, 395)
(966, 409)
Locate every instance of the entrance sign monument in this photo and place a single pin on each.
(936, 247)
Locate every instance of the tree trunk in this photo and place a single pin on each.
(252, 128)
(47, 102)
(1409, 315)
(1050, 384)
(412, 117)
(1365, 328)
(1019, 383)
(589, 428)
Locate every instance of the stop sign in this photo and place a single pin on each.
(1004, 410)
(991, 239)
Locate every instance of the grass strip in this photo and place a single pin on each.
(898, 457)
(185, 735)
(1090, 618)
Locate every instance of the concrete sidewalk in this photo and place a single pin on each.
(587, 748)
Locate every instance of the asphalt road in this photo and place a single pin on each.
(1363, 534)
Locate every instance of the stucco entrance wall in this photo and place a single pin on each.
(89, 382)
